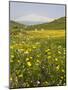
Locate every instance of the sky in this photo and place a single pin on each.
(35, 12)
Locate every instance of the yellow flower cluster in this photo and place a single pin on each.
(29, 64)
(11, 47)
(26, 52)
(18, 61)
(48, 57)
(34, 46)
(20, 75)
(56, 59)
(31, 57)
(48, 53)
(12, 56)
(27, 59)
(47, 50)
(59, 52)
(11, 78)
(61, 77)
(57, 68)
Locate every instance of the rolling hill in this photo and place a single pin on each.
(57, 24)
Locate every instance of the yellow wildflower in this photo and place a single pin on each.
(47, 50)
(20, 75)
(16, 79)
(49, 57)
(59, 52)
(29, 64)
(56, 59)
(26, 52)
(62, 70)
(18, 61)
(38, 82)
(34, 47)
(49, 53)
(31, 57)
(64, 51)
(58, 67)
(61, 77)
(22, 49)
(27, 59)
(38, 61)
(59, 46)
(12, 56)
(37, 43)
(11, 78)
(46, 82)
(11, 47)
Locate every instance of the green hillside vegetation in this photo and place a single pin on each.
(16, 26)
(37, 54)
(54, 25)
(57, 24)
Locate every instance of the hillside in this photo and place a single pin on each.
(57, 24)
(16, 26)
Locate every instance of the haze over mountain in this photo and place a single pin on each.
(33, 19)
(56, 24)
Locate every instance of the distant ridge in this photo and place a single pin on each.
(57, 24)
(15, 25)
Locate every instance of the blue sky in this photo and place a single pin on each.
(35, 12)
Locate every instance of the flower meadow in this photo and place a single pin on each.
(37, 58)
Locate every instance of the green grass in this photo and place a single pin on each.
(57, 24)
(37, 58)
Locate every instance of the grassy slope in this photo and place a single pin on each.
(35, 58)
(15, 26)
(55, 25)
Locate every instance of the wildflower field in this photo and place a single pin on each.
(37, 58)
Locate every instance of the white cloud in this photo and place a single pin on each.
(34, 18)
